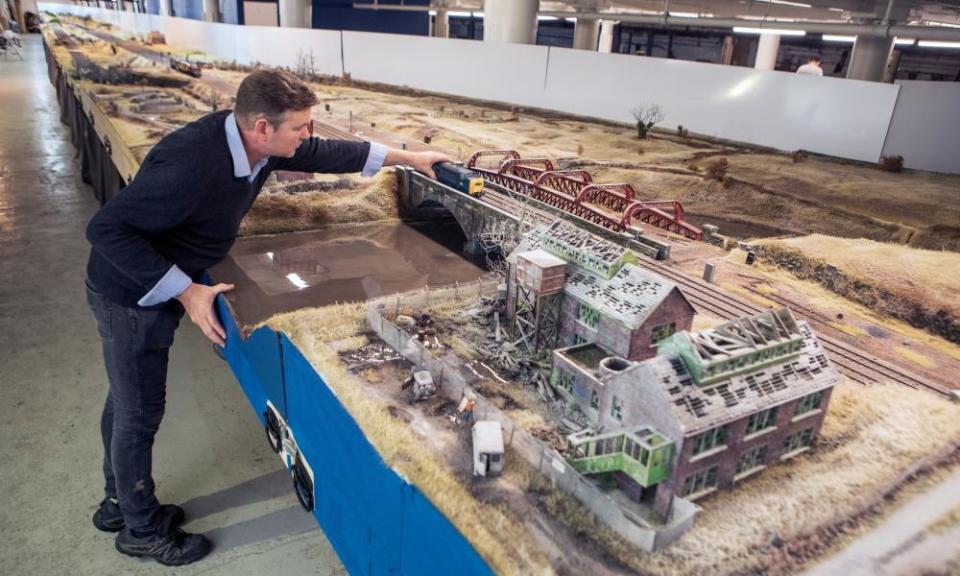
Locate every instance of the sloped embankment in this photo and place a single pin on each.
(919, 287)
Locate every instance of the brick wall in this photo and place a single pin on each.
(738, 444)
(675, 309)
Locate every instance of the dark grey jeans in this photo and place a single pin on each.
(136, 345)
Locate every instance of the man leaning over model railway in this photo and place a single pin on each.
(151, 244)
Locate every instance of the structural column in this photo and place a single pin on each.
(726, 52)
(586, 33)
(510, 21)
(211, 11)
(767, 52)
(293, 14)
(441, 23)
(606, 36)
(165, 8)
(869, 58)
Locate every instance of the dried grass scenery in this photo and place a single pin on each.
(840, 243)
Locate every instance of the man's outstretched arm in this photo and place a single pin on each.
(345, 156)
(420, 161)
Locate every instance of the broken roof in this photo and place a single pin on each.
(739, 345)
(578, 238)
(629, 297)
(699, 408)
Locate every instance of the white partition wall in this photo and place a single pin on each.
(786, 111)
(283, 47)
(926, 126)
(217, 40)
(837, 117)
(511, 73)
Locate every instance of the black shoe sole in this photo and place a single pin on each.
(164, 562)
(100, 525)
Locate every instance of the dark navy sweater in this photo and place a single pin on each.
(184, 207)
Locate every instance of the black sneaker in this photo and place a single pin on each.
(168, 545)
(108, 517)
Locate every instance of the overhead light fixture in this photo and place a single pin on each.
(764, 18)
(455, 14)
(546, 18)
(788, 3)
(836, 9)
(777, 31)
(838, 38)
(941, 24)
(904, 41)
(937, 44)
(574, 20)
(433, 12)
(684, 14)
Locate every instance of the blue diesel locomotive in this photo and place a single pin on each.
(456, 176)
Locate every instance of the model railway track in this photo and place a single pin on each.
(612, 206)
(324, 130)
(853, 362)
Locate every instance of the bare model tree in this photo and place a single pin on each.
(214, 100)
(500, 239)
(646, 115)
(306, 65)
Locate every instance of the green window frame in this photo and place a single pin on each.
(700, 481)
(752, 459)
(798, 440)
(616, 408)
(761, 421)
(588, 316)
(563, 379)
(710, 439)
(662, 332)
(809, 403)
(578, 339)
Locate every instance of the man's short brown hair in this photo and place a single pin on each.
(271, 94)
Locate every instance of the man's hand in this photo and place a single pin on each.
(198, 300)
(420, 161)
(424, 161)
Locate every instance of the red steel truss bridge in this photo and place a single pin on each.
(613, 206)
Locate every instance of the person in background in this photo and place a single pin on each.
(812, 67)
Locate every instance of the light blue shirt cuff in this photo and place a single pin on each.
(173, 283)
(378, 153)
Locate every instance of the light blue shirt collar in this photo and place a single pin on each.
(241, 165)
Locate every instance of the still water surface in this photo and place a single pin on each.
(274, 274)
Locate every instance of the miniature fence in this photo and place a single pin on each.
(546, 460)
(458, 293)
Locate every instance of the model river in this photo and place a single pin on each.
(274, 274)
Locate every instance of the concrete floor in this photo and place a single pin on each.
(211, 455)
